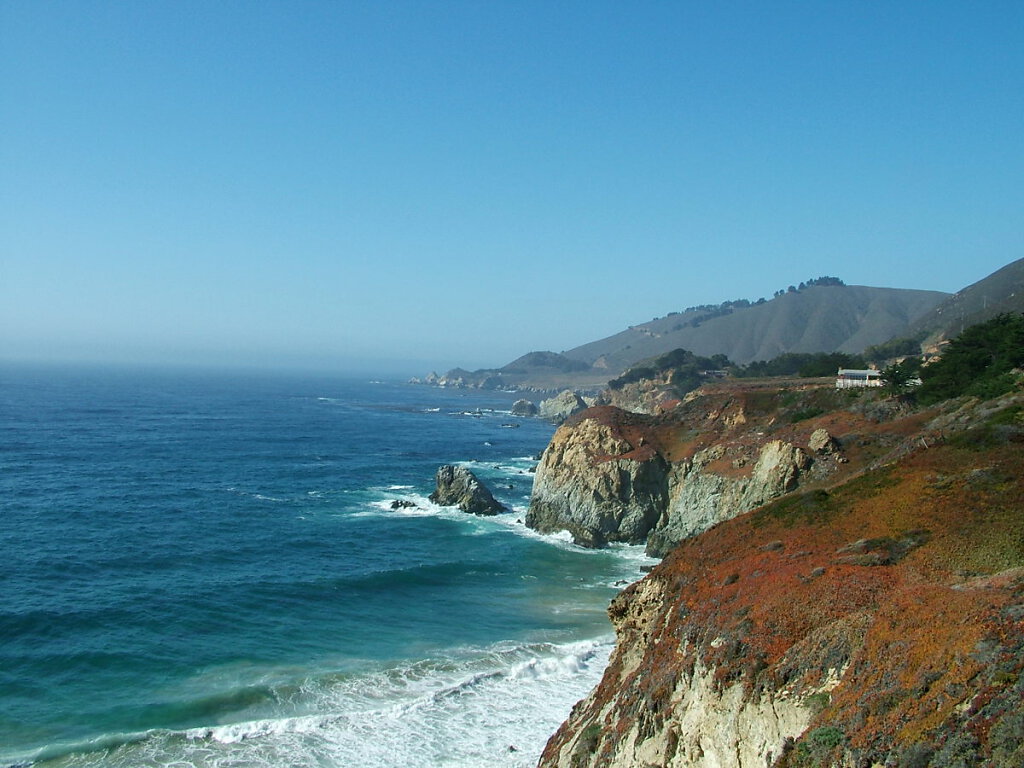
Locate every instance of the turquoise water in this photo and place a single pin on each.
(205, 569)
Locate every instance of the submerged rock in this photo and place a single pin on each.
(458, 487)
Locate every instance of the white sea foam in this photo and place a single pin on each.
(633, 557)
(478, 707)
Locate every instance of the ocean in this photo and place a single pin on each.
(205, 569)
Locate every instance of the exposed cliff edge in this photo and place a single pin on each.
(874, 617)
(596, 483)
(561, 406)
(610, 475)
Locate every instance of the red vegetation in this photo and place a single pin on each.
(908, 579)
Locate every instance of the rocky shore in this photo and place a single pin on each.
(610, 475)
(843, 580)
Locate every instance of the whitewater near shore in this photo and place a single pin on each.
(207, 570)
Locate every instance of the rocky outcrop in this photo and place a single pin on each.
(700, 497)
(822, 442)
(458, 487)
(606, 477)
(524, 408)
(877, 623)
(665, 699)
(597, 484)
(562, 406)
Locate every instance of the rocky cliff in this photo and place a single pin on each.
(599, 481)
(874, 617)
(561, 406)
(609, 475)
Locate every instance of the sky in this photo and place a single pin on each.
(410, 186)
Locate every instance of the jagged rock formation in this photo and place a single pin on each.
(822, 442)
(699, 497)
(562, 406)
(458, 487)
(609, 475)
(878, 622)
(524, 407)
(596, 484)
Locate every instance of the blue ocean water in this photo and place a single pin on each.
(204, 569)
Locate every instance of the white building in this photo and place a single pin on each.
(854, 377)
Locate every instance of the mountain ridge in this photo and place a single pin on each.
(822, 315)
(1002, 291)
(825, 318)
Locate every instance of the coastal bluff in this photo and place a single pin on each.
(867, 611)
(610, 475)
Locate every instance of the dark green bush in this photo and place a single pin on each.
(977, 362)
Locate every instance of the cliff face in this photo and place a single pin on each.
(878, 622)
(700, 497)
(610, 475)
(597, 483)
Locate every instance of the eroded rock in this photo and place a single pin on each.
(562, 406)
(458, 487)
(822, 442)
(597, 485)
(524, 407)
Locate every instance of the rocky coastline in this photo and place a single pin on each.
(458, 487)
(612, 475)
(842, 582)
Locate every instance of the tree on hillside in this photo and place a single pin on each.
(902, 347)
(898, 378)
(977, 362)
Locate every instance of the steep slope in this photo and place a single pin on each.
(1002, 291)
(816, 319)
(876, 622)
(610, 475)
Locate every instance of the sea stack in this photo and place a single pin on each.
(458, 487)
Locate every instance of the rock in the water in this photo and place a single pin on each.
(562, 406)
(458, 487)
(524, 407)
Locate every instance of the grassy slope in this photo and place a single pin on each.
(1002, 291)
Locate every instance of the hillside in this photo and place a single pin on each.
(815, 318)
(822, 315)
(1002, 291)
(868, 611)
(820, 318)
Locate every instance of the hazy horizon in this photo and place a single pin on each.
(339, 186)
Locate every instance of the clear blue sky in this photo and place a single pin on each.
(416, 185)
